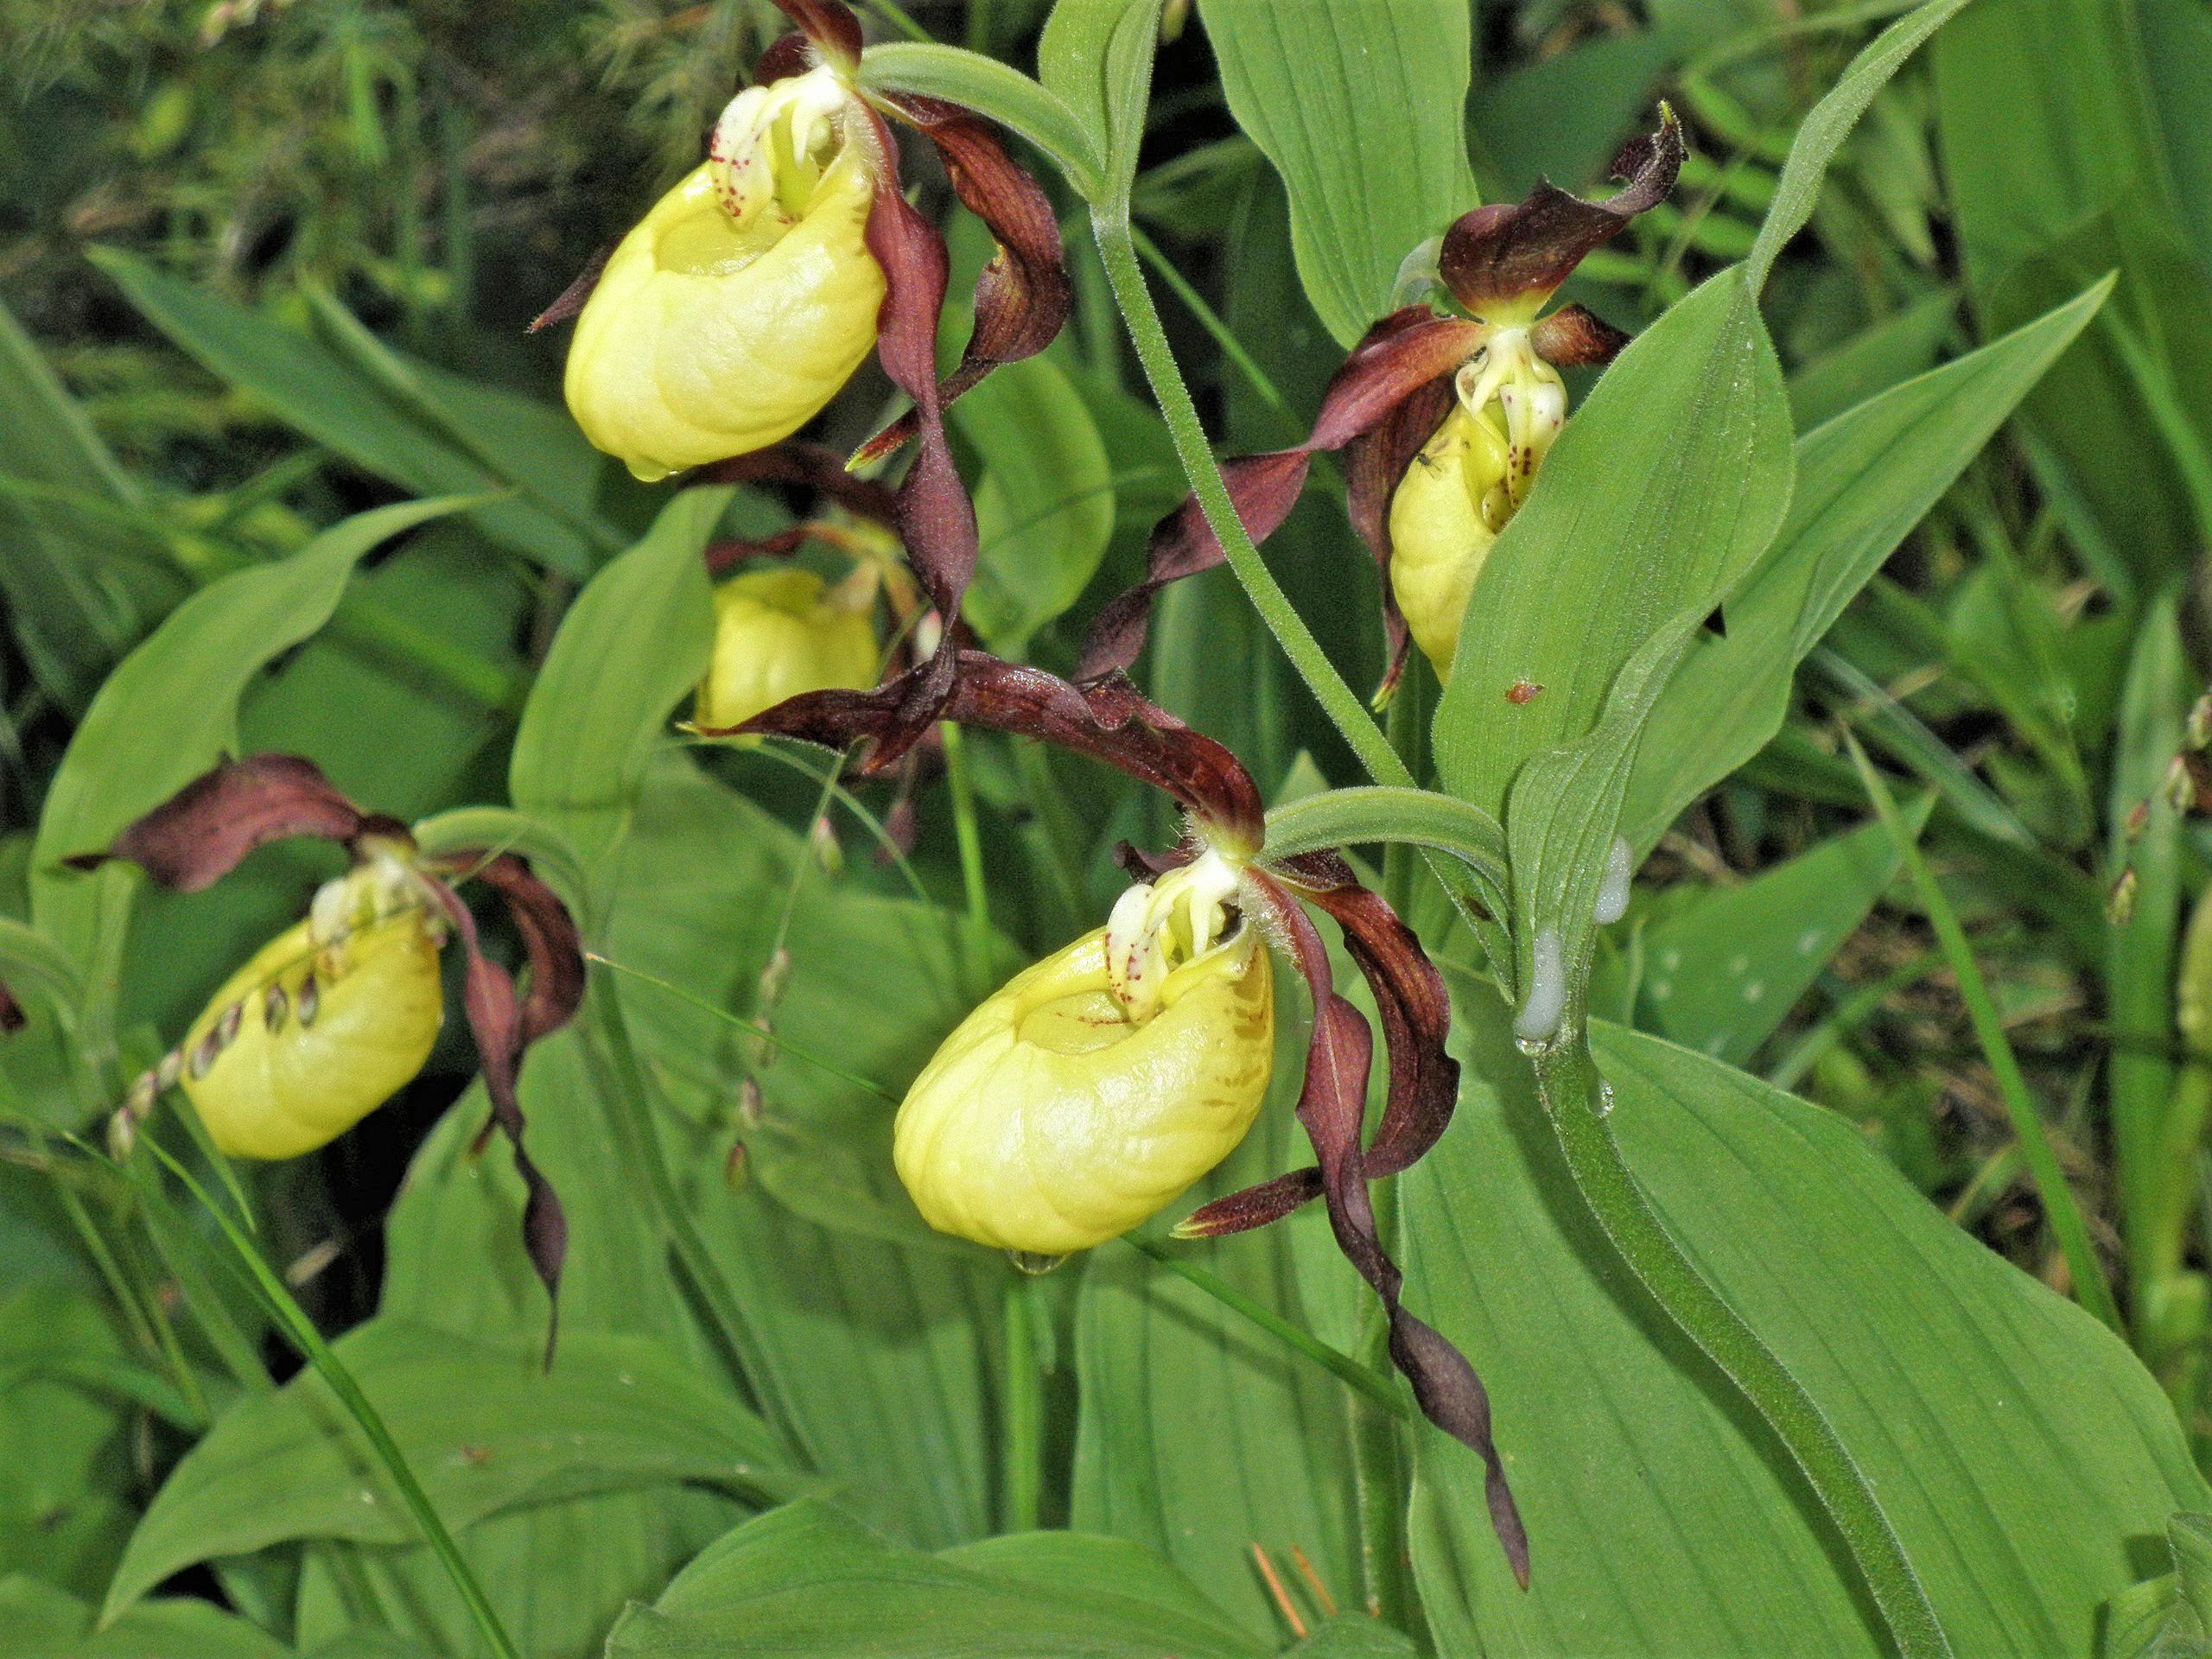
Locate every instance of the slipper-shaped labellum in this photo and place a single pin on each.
(744, 301)
(1091, 1089)
(331, 1017)
(1508, 405)
(1443, 420)
(327, 1021)
(1099, 1083)
(780, 632)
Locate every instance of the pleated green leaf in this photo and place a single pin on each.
(1864, 480)
(485, 1429)
(1362, 109)
(39, 1622)
(2019, 1450)
(1722, 971)
(171, 709)
(804, 1581)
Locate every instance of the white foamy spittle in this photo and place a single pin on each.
(1540, 1015)
(1612, 892)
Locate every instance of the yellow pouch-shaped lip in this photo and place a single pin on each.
(320, 1038)
(705, 339)
(777, 634)
(1442, 524)
(1049, 1123)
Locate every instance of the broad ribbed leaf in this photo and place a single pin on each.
(2019, 1450)
(1864, 480)
(1363, 109)
(484, 1428)
(171, 709)
(1722, 970)
(635, 640)
(804, 1581)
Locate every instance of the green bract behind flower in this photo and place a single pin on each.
(742, 303)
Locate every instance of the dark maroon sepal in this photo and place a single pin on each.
(1374, 463)
(807, 466)
(785, 56)
(1252, 1206)
(935, 520)
(1512, 250)
(11, 1012)
(831, 24)
(1332, 1106)
(1109, 721)
(1262, 488)
(550, 942)
(1572, 338)
(576, 295)
(1022, 295)
(501, 1028)
(1399, 355)
(202, 832)
(1409, 995)
(733, 550)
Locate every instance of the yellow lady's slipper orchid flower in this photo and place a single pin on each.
(1469, 479)
(779, 633)
(742, 303)
(1096, 1085)
(325, 1024)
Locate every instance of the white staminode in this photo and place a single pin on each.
(1546, 1000)
(1612, 892)
(1528, 393)
(1157, 926)
(743, 151)
(381, 885)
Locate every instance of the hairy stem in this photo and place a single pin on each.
(1573, 1099)
(1336, 697)
(1024, 1424)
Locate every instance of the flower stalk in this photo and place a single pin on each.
(1575, 1103)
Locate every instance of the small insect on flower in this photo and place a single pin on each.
(1095, 1086)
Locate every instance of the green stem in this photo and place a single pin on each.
(333, 1370)
(967, 832)
(1573, 1099)
(1231, 347)
(745, 1025)
(2090, 1288)
(1369, 1384)
(632, 1121)
(1338, 699)
(1025, 1409)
